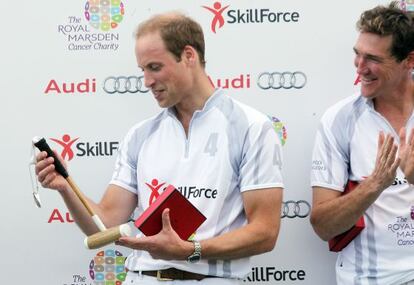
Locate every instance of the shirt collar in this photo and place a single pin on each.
(210, 103)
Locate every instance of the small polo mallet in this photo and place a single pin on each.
(99, 239)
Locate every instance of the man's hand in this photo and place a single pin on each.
(165, 245)
(333, 213)
(386, 163)
(46, 173)
(406, 154)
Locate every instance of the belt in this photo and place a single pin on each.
(173, 274)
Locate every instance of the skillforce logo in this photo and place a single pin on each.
(224, 14)
(71, 147)
(218, 19)
(94, 29)
(66, 143)
(270, 274)
(155, 186)
(107, 268)
(194, 192)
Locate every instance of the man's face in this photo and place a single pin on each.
(379, 72)
(168, 79)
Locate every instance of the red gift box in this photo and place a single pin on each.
(342, 240)
(185, 217)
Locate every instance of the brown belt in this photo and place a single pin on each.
(174, 274)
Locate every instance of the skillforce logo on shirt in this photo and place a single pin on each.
(188, 192)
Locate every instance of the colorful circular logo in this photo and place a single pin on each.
(104, 14)
(279, 129)
(107, 268)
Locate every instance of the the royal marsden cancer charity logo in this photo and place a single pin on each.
(104, 14)
(402, 230)
(280, 129)
(95, 27)
(108, 268)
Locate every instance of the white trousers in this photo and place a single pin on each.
(134, 278)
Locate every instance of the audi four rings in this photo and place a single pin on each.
(124, 84)
(285, 80)
(293, 209)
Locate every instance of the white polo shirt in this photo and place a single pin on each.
(230, 148)
(346, 148)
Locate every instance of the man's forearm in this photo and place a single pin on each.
(79, 213)
(246, 241)
(332, 217)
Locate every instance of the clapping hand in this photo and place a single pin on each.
(406, 154)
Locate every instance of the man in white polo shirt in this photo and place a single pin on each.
(222, 155)
(369, 138)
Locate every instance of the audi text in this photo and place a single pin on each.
(86, 86)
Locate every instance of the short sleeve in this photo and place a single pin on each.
(262, 160)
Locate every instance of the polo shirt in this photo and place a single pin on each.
(230, 148)
(345, 149)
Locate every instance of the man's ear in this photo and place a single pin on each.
(189, 55)
(410, 60)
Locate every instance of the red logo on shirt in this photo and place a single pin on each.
(154, 186)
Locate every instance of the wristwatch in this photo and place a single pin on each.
(196, 255)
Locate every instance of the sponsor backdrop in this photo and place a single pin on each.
(70, 75)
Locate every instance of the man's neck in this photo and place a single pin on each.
(194, 101)
(398, 107)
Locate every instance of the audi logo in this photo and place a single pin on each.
(285, 80)
(293, 209)
(124, 84)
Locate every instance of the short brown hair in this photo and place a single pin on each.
(177, 31)
(391, 20)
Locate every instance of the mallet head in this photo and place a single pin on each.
(108, 236)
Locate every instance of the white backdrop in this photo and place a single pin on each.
(39, 66)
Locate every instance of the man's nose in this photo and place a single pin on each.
(361, 65)
(148, 80)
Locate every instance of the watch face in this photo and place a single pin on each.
(194, 258)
